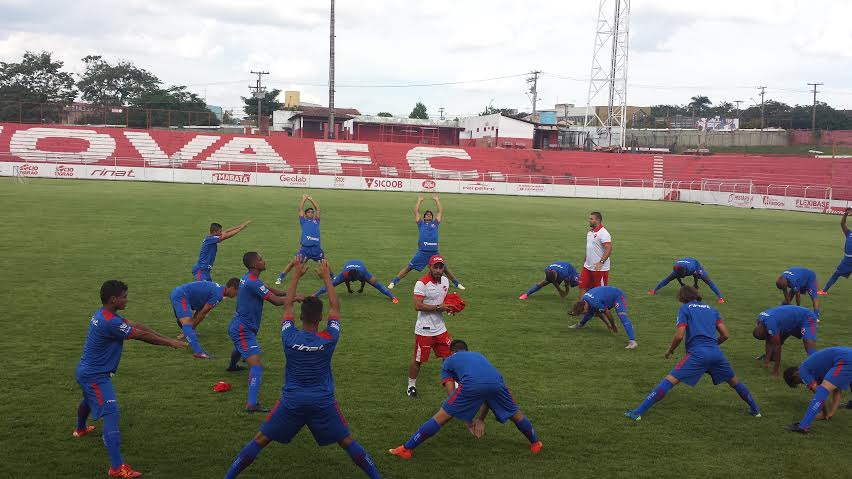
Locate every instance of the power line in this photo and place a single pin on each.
(405, 85)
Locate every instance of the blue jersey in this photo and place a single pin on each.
(467, 368)
(785, 319)
(104, 342)
(250, 299)
(814, 368)
(427, 239)
(690, 264)
(700, 321)
(564, 270)
(603, 298)
(354, 265)
(848, 248)
(799, 278)
(207, 256)
(310, 231)
(307, 375)
(199, 293)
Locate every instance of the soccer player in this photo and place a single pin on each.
(699, 324)
(247, 317)
(828, 371)
(354, 270)
(307, 397)
(845, 267)
(556, 273)
(777, 324)
(310, 248)
(795, 281)
(688, 267)
(427, 242)
(99, 362)
(480, 389)
(598, 302)
(595, 270)
(430, 332)
(191, 303)
(209, 247)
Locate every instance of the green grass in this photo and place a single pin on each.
(62, 238)
(783, 150)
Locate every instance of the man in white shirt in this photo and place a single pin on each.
(598, 250)
(430, 332)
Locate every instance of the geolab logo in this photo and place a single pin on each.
(293, 179)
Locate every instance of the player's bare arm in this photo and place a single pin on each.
(843, 221)
(676, 340)
(607, 251)
(157, 340)
(440, 215)
(302, 206)
(417, 208)
(324, 272)
(420, 306)
(315, 205)
(233, 231)
(199, 315)
(724, 334)
(290, 296)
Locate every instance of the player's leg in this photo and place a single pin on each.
(254, 382)
(820, 395)
(336, 281)
(381, 288)
(656, 395)
(425, 431)
(328, 426)
(232, 364)
(534, 289)
(396, 279)
(621, 309)
(668, 279)
(83, 411)
(844, 269)
(359, 457)
(107, 410)
(706, 278)
(452, 278)
(183, 314)
(503, 405)
(526, 428)
(744, 394)
(247, 455)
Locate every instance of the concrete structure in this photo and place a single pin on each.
(312, 122)
(496, 131)
(402, 130)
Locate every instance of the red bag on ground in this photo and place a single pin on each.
(455, 303)
(221, 387)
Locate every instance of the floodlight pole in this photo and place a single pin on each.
(330, 130)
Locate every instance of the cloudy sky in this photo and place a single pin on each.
(724, 49)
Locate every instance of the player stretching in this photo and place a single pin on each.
(699, 323)
(556, 273)
(310, 248)
(101, 355)
(247, 317)
(795, 281)
(354, 270)
(826, 372)
(598, 302)
(480, 388)
(430, 332)
(777, 324)
(209, 247)
(191, 303)
(307, 398)
(688, 267)
(427, 242)
(845, 266)
(598, 250)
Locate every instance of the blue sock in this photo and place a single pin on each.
(831, 281)
(112, 439)
(656, 395)
(456, 282)
(83, 411)
(713, 287)
(362, 459)
(532, 290)
(282, 276)
(526, 428)
(628, 327)
(191, 338)
(235, 356)
(395, 280)
(320, 292)
(255, 378)
(428, 429)
(814, 408)
(244, 459)
(745, 394)
(383, 289)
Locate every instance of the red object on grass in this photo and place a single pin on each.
(221, 387)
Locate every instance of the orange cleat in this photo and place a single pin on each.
(124, 471)
(82, 432)
(822, 293)
(652, 292)
(535, 447)
(395, 301)
(401, 452)
(721, 301)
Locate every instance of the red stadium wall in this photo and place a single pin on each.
(829, 137)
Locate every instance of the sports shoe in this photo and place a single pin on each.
(391, 285)
(394, 300)
(721, 301)
(411, 392)
(461, 287)
(535, 447)
(577, 326)
(652, 292)
(755, 413)
(124, 471)
(849, 405)
(256, 408)
(203, 355)
(235, 368)
(631, 345)
(78, 433)
(632, 414)
(795, 427)
(400, 452)
(278, 281)
(523, 296)
(761, 357)
(822, 293)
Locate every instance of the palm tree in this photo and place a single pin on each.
(699, 104)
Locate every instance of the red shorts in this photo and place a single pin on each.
(592, 279)
(423, 344)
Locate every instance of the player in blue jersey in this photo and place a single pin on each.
(209, 247)
(688, 267)
(556, 273)
(598, 302)
(699, 324)
(309, 219)
(246, 323)
(827, 372)
(845, 267)
(354, 270)
(99, 362)
(795, 281)
(192, 301)
(427, 242)
(777, 324)
(307, 397)
(474, 387)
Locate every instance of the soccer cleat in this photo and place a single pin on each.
(849, 405)
(631, 345)
(755, 413)
(395, 301)
(761, 357)
(795, 427)
(391, 285)
(535, 447)
(577, 326)
(256, 408)
(78, 433)
(235, 368)
(652, 292)
(203, 355)
(461, 287)
(278, 281)
(632, 414)
(400, 452)
(411, 392)
(523, 296)
(822, 293)
(721, 301)
(124, 471)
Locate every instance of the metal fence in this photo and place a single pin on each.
(119, 116)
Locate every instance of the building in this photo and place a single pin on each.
(402, 130)
(312, 122)
(576, 115)
(496, 131)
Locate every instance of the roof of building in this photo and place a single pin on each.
(393, 120)
(322, 112)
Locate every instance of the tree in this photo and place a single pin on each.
(384, 114)
(268, 103)
(186, 107)
(228, 118)
(106, 84)
(38, 78)
(419, 112)
(700, 104)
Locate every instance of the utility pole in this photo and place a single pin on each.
(259, 93)
(533, 81)
(738, 107)
(762, 92)
(330, 131)
(441, 112)
(813, 119)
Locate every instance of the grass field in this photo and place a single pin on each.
(62, 238)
